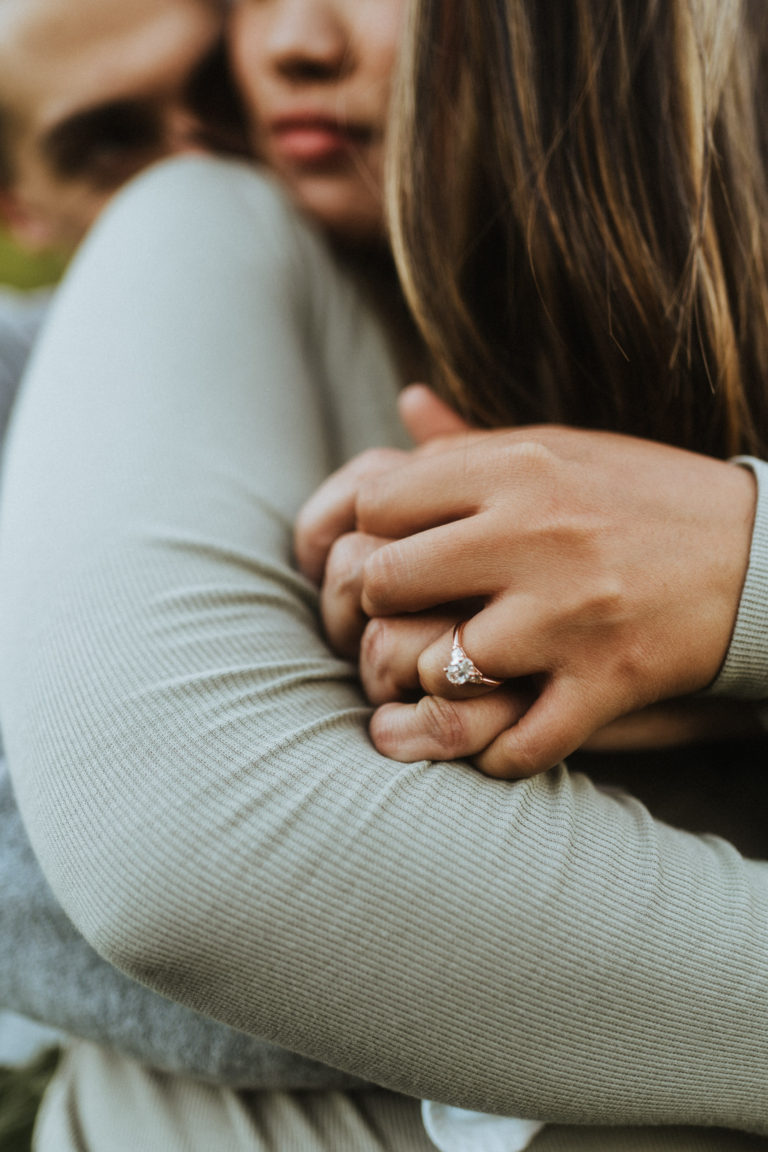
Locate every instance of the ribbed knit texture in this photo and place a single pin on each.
(47, 970)
(193, 765)
(745, 672)
(104, 1102)
(49, 973)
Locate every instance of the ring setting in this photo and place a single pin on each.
(461, 669)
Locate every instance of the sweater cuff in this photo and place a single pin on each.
(745, 671)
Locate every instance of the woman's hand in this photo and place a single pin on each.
(607, 570)
(331, 511)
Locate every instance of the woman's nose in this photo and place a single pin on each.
(309, 40)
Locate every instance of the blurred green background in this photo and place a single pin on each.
(19, 269)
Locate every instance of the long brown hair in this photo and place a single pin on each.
(579, 209)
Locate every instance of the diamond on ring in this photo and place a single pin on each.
(461, 669)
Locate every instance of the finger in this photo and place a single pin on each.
(437, 487)
(457, 561)
(426, 416)
(558, 722)
(439, 729)
(442, 666)
(508, 638)
(330, 512)
(343, 618)
(424, 492)
(389, 651)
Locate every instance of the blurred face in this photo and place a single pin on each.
(315, 77)
(92, 90)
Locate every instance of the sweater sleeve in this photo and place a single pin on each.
(745, 671)
(193, 765)
(47, 970)
(50, 974)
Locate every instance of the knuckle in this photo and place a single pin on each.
(437, 444)
(306, 530)
(443, 724)
(374, 460)
(343, 568)
(371, 470)
(635, 670)
(376, 651)
(531, 455)
(381, 572)
(525, 761)
(609, 593)
(375, 646)
(430, 677)
(593, 599)
(514, 757)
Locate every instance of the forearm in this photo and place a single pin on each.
(194, 765)
(47, 970)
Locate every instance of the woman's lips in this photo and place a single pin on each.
(309, 141)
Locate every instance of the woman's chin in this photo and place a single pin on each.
(342, 208)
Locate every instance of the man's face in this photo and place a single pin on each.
(94, 90)
(315, 76)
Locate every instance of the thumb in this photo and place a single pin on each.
(425, 416)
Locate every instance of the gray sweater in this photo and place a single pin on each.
(192, 763)
(47, 970)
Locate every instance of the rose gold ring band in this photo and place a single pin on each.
(461, 669)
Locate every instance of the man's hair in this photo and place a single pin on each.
(599, 254)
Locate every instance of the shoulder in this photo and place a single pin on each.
(212, 199)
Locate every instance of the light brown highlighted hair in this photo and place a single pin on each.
(579, 205)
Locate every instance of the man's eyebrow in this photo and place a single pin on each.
(123, 125)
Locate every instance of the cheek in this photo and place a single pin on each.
(383, 67)
(379, 70)
(381, 49)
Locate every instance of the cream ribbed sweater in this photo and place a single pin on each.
(193, 764)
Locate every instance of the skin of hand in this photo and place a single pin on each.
(331, 511)
(569, 543)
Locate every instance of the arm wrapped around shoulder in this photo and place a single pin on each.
(193, 763)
